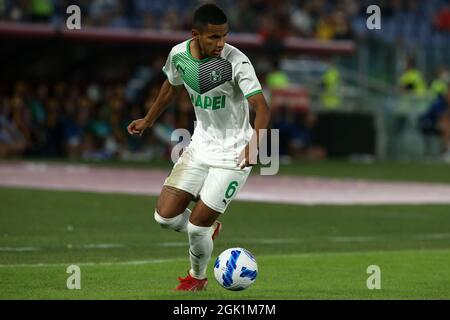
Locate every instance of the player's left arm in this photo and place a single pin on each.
(248, 156)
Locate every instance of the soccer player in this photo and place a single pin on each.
(221, 83)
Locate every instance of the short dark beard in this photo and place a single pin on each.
(202, 52)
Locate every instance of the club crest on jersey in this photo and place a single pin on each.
(216, 76)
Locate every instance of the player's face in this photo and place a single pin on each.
(212, 39)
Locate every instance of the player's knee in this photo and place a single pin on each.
(162, 212)
(159, 208)
(165, 210)
(163, 222)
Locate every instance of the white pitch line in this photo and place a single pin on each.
(85, 246)
(433, 236)
(101, 246)
(18, 249)
(353, 239)
(173, 244)
(89, 264)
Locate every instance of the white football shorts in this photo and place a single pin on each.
(216, 186)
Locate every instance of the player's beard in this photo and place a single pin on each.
(203, 51)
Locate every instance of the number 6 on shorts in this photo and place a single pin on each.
(231, 189)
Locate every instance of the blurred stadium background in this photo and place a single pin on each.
(337, 88)
(349, 103)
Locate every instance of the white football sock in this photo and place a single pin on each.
(200, 249)
(178, 223)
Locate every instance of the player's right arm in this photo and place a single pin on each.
(165, 96)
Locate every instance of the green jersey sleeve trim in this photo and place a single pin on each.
(253, 93)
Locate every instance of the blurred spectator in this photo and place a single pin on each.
(163, 131)
(441, 20)
(331, 83)
(436, 122)
(272, 31)
(341, 26)
(17, 10)
(21, 116)
(54, 128)
(302, 20)
(41, 10)
(325, 29)
(185, 115)
(296, 129)
(439, 85)
(411, 81)
(12, 140)
(171, 20)
(74, 132)
(276, 78)
(242, 18)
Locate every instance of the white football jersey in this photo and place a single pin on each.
(218, 88)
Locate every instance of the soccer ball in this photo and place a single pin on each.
(235, 269)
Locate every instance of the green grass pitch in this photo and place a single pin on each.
(303, 252)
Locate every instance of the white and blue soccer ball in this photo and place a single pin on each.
(235, 269)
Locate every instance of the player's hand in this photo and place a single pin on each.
(138, 126)
(248, 157)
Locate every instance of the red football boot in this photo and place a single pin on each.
(191, 284)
